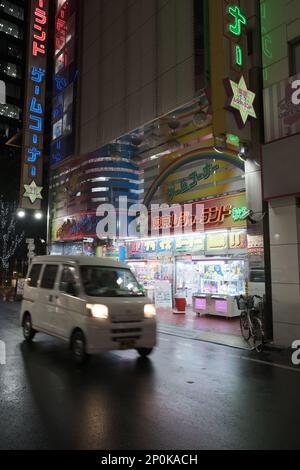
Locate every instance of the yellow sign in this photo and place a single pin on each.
(241, 100)
(216, 242)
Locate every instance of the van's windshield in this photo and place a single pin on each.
(100, 281)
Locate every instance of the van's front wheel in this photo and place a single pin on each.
(28, 331)
(78, 347)
(144, 352)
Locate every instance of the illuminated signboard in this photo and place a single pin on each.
(194, 178)
(240, 100)
(64, 81)
(224, 212)
(33, 127)
(235, 28)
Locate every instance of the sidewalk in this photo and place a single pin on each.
(205, 328)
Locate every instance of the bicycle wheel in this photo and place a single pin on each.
(258, 334)
(245, 327)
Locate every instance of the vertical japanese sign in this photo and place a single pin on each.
(235, 29)
(240, 98)
(34, 109)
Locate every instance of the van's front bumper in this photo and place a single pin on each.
(104, 336)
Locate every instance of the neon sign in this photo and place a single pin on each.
(40, 28)
(235, 25)
(239, 20)
(36, 117)
(34, 109)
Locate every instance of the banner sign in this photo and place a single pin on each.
(163, 294)
(223, 212)
(282, 116)
(198, 244)
(34, 109)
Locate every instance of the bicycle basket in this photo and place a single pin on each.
(244, 303)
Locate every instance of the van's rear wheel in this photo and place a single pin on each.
(144, 352)
(28, 331)
(78, 347)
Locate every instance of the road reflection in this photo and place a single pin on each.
(87, 407)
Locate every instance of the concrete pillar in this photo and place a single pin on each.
(284, 216)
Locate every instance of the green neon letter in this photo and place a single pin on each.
(238, 55)
(240, 19)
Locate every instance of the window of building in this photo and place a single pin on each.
(10, 69)
(60, 4)
(13, 91)
(14, 51)
(59, 62)
(57, 129)
(4, 131)
(67, 122)
(70, 52)
(49, 276)
(10, 111)
(68, 97)
(11, 9)
(58, 104)
(71, 25)
(295, 57)
(11, 29)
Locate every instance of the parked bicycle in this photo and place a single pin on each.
(251, 319)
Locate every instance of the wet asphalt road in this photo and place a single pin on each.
(189, 395)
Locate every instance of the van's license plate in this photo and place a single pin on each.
(130, 344)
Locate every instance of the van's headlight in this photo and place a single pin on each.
(149, 311)
(98, 311)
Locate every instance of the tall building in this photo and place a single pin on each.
(159, 101)
(280, 28)
(13, 14)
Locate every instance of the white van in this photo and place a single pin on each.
(95, 304)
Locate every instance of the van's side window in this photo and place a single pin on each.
(67, 281)
(34, 275)
(49, 276)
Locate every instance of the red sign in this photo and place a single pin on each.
(215, 213)
(40, 18)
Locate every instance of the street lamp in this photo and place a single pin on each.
(243, 152)
(38, 215)
(21, 213)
